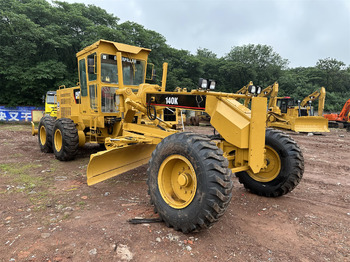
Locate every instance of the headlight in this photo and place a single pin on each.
(252, 89)
(212, 84)
(258, 90)
(203, 83)
(255, 90)
(206, 84)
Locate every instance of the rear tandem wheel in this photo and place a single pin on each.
(189, 181)
(65, 139)
(45, 130)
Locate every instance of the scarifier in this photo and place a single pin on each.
(189, 174)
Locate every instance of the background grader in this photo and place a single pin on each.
(189, 175)
(299, 116)
(286, 113)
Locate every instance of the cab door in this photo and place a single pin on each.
(92, 82)
(84, 98)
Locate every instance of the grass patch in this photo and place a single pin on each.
(4, 169)
(29, 182)
(55, 164)
(39, 200)
(14, 169)
(14, 126)
(17, 155)
(81, 204)
(65, 216)
(25, 181)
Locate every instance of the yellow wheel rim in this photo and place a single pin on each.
(177, 181)
(58, 140)
(272, 169)
(42, 135)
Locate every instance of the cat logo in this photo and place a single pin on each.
(171, 100)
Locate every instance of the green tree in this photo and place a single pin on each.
(332, 74)
(205, 53)
(266, 64)
(184, 69)
(38, 42)
(234, 75)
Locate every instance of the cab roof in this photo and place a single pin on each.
(119, 46)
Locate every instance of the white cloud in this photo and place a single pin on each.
(302, 31)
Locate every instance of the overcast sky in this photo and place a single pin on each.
(302, 31)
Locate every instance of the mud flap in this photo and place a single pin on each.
(110, 163)
(310, 124)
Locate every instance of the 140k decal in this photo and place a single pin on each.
(171, 100)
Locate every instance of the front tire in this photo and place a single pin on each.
(189, 181)
(45, 130)
(285, 167)
(65, 139)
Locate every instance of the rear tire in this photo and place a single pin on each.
(65, 139)
(189, 181)
(285, 167)
(45, 130)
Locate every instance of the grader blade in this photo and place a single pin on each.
(107, 164)
(310, 124)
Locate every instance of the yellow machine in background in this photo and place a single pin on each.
(189, 174)
(51, 103)
(286, 113)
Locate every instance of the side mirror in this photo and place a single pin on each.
(151, 71)
(43, 99)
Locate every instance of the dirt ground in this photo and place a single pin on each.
(48, 213)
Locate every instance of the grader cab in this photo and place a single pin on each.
(189, 174)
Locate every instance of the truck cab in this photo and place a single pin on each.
(51, 103)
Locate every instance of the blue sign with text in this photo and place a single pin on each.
(17, 114)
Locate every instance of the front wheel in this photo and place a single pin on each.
(65, 139)
(284, 167)
(189, 181)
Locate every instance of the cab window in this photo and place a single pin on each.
(133, 71)
(92, 66)
(109, 69)
(51, 99)
(82, 75)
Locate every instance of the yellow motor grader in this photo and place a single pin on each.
(189, 174)
(299, 116)
(286, 113)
